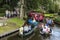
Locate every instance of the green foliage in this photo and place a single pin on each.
(6, 6)
(38, 10)
(8, 3)
(57, 19)
(1, 1)
(32, 4)
(2, 14)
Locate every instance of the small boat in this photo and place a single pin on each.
(44, 33)
(26, 34)
(30, 32)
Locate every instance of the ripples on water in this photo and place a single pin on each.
(55, 33)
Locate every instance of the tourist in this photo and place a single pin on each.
(21, 31)
(34, 22)
(14, 13)
(36, 17)
(26, 28)
(29, 27)
(41, 17)
(45, 29)
(11, 14)
(7, 13)
(49, 21)
(29, 21)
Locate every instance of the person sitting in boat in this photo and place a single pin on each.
(45, 29)
(30, 28)
(25, 28)
(41, 17)
(29, 21)
(32, 21)
(49, 21)
(36, 17)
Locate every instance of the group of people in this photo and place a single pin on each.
(45, 28)
(38, 16)
(35, 19)
(32, 21)
(10, 14)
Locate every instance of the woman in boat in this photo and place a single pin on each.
(41, 17)
(36, 17)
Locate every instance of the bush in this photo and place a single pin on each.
(2, 10)
(2, 14)
(57, 19)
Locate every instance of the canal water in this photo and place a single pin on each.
(54, 36)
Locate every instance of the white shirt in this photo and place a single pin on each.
(29, 27)
(34, 20)
(46, 30)
(26, 28)
(7, 11)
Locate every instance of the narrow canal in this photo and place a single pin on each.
(55, 35)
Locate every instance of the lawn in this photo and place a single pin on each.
(13, 23)
(17, 21)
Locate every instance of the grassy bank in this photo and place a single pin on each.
(16, 20)
(13, 23)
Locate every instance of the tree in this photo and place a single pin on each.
(32, 4)
(11, 3)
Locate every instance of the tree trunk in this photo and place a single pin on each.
(22, 9)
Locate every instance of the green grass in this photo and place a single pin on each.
(17, 21)
(49, 15)
(13, 23)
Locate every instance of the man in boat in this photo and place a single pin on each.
(32, 21)
(49, 21)
(25, 28)
(30, 27)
